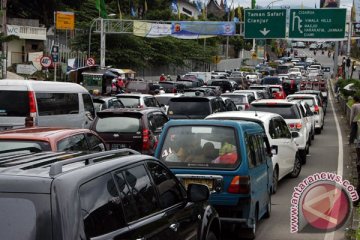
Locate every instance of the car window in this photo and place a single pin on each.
(238, 99)
(160, 120)
(130, 102)
(214, 106)
(73, 143)
(250, 149)
(35, 146)
(169, 190)
(139, 192)
(287, 111)
(101, 207)
(88, 104)
(221, 105)
(14, 103)
(302, 110)
(273, 129)
(152, 123)
(117, 104)
(110, 104)
(118, 124)
(283, 128)
(259, 149)
(57, 103)
(95, 144)
(177, 107)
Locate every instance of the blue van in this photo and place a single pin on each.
(232, 158)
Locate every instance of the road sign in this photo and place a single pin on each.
(323, 23)
(55, 53)
(356, 29)
(45, 61)
(90, 62)
(265, 24)
(27, 69)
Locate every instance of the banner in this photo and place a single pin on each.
(203, 28)
(329, 3)
(151, 30)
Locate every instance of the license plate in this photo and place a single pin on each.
(206, 182)
(118, 146)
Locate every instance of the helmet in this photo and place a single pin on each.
(114, 80)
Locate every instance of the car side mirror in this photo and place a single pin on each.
(295, 134)
(197, 193)
(274, 150)
(89, 116)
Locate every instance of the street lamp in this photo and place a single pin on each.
(268, 6)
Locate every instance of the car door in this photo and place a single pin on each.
(182, 216)
(143, 215)
(288, 145)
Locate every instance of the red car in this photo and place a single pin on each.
(40, 139)
(277, 91)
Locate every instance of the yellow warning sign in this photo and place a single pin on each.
(65, 20)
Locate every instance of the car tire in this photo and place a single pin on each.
(303, 154)
(307, 147)
(318, 130)
(211, 236)
(313, 136)
(268, 208)
(297, 166)
(275, 180)
(252, 231)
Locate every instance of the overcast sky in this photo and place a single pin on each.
(308, 3)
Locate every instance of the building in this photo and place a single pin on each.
(214, 8)
(31, 35)
(188, 8)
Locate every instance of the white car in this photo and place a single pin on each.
(286, 159)
(295, 71)
(258, 94)
(164, 99)
(294, 118)
(314, 103)
(313, 46)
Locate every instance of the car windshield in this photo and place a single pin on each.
(36, 146)
(14, 103)
(189, 107)
(201, 147)
(130, 102)
(237, 99)
(97, 106)
(287, 111)
(118, 124)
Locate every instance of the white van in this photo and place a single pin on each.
(47, 104)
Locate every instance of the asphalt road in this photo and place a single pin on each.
(323, 156)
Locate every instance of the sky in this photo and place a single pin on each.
(308, 3)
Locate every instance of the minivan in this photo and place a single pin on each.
(232, 158)
(44, 104)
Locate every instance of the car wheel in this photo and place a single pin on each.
(303, 154)
(307, 148)
(318, 130)
(252, 231)
(211, 236)
(275, 180)
(297, 167)
(268, 208)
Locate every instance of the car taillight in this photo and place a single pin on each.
(240, 184)
(141, 106)
(146, 140)
(298, 126)
(316, 108)
(291, 125)
(32, 104)
(247, 106)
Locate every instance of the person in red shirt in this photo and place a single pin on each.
(120, 84)
(162, 78)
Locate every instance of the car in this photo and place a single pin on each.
(241, 100)
(285, 160)
(310, 118)
(300, 45)
(102, 103)
(265, 88)
(44, 104)
(141, 87)
(277, 91)
(320, 94)
(171, 86)
(270, 81)
(290, 86)
(295, 71)
(194, 107)
(258, 94)
(291, 112)
(315, 105)
(117, 194)
(134, 100)
(164, 99)
(232, 158)
(138, 129)
(229, 103)
(313, 46)
(252, 79)
(226, 85)
(39, 139)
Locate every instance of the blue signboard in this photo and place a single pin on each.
(55, 53)
(203, 28)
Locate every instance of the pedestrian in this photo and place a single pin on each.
(288, 53)
(162, 77)
(178, 78)
(120, 85)
(354, 115)
(268, 57)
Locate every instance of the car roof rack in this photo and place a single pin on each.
(57, 168)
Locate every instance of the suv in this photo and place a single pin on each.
(138, 100)
(109, 195)
(286, 160)
(194, 107)
(102, 103)
(241, 100)
(292, 113)
(232, 158)
(137, 129)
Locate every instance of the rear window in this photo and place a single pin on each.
(189, 108)
(309, 101)
(130, 102)
(237, 99)
(14, 103)
(163, 100)
(287, 111)
(271, 81)
(57, 103)
(137, 86)
(201, 147)
(34, 146)
(118, 124)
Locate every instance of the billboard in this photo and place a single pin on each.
(203, 28)
(329, 3)
(65, 20)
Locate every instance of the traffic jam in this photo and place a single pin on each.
(191, 158)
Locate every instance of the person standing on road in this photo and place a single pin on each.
(162, 78)
(355, 113)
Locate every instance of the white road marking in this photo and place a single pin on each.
(340, 167)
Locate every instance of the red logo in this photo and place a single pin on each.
(326, 206)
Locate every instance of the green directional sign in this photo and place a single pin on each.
(317, 23)
(265, 24)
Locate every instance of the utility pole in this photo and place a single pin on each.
(102, 43)
(4, 45)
